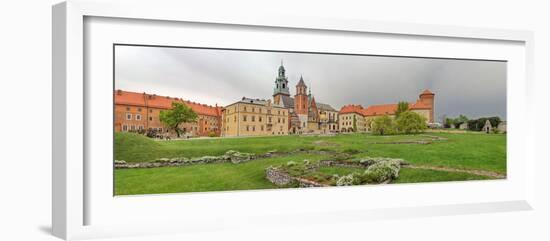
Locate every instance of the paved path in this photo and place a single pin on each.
(471, 171)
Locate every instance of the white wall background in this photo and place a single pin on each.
(25, 119)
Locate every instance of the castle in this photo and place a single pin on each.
(301, 114)
(284, 114)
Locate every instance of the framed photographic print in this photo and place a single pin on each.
(181, 122)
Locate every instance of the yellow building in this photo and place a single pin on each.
(350, 114)
(254, 117)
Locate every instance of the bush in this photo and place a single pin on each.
(212, 134)
(382, 171)
(410, 122)
(383, 125)
(346, 180)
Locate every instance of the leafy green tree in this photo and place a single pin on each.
(459, 120)
(383, 125)
(402, 106)
(449, 122)
(476, 125)
(354, 123)
(410, 122)
(180, 113)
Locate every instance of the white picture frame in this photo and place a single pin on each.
(71, 109)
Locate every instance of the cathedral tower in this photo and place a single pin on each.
(301, 98)
(281, 85)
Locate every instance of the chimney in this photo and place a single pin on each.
(119, 92)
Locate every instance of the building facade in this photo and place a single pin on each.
(254, 117)
(363, 117)
(141, 111)
(305, 113)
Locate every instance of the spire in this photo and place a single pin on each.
(301, 82)
(281, 82)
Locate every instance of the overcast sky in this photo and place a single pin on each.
(473, 88)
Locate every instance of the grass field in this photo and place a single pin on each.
(472, 151)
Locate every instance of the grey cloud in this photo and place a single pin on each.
(473, 88)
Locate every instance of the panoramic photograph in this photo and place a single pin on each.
(202, 119)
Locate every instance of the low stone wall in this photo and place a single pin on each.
(281, 178)
(234, 157)
(334, 163)
(278, 177)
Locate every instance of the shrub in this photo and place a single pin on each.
(346, 180)
(382, 171)
(211, 134)
(383, 125)
(410, 122)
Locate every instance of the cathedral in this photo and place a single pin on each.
(305, 114)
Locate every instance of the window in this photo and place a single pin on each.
(133, 127)
(140, 128)
(253, 128)
(253, 109)
(150, 118)
(150, 111)
(245, 108)
(139, 109)
(283, 120)
(269, 119)
(124, 127)
(278, 112)
(138, 117)
(262, 127)
(253, 117)
(244, 117)
(128, 116)
(247, 128)
(278, 120)
(259, 119)
(160, 129)
(235, 119)
(127, 108)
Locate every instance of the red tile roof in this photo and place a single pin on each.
(162, 102)
(374, 110)
(427, 92)
(351, 109)
(387, 109)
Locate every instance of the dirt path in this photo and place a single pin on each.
(448, 169)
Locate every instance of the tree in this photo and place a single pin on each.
(383, 125)
(449, 122)
(476, 125)
(410, 122)
(402, 106)
(459, 120)
(180, 113)
(354, 123)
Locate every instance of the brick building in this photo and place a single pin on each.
(423, 106)
(140, 111)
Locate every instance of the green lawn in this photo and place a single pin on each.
(463, 151)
